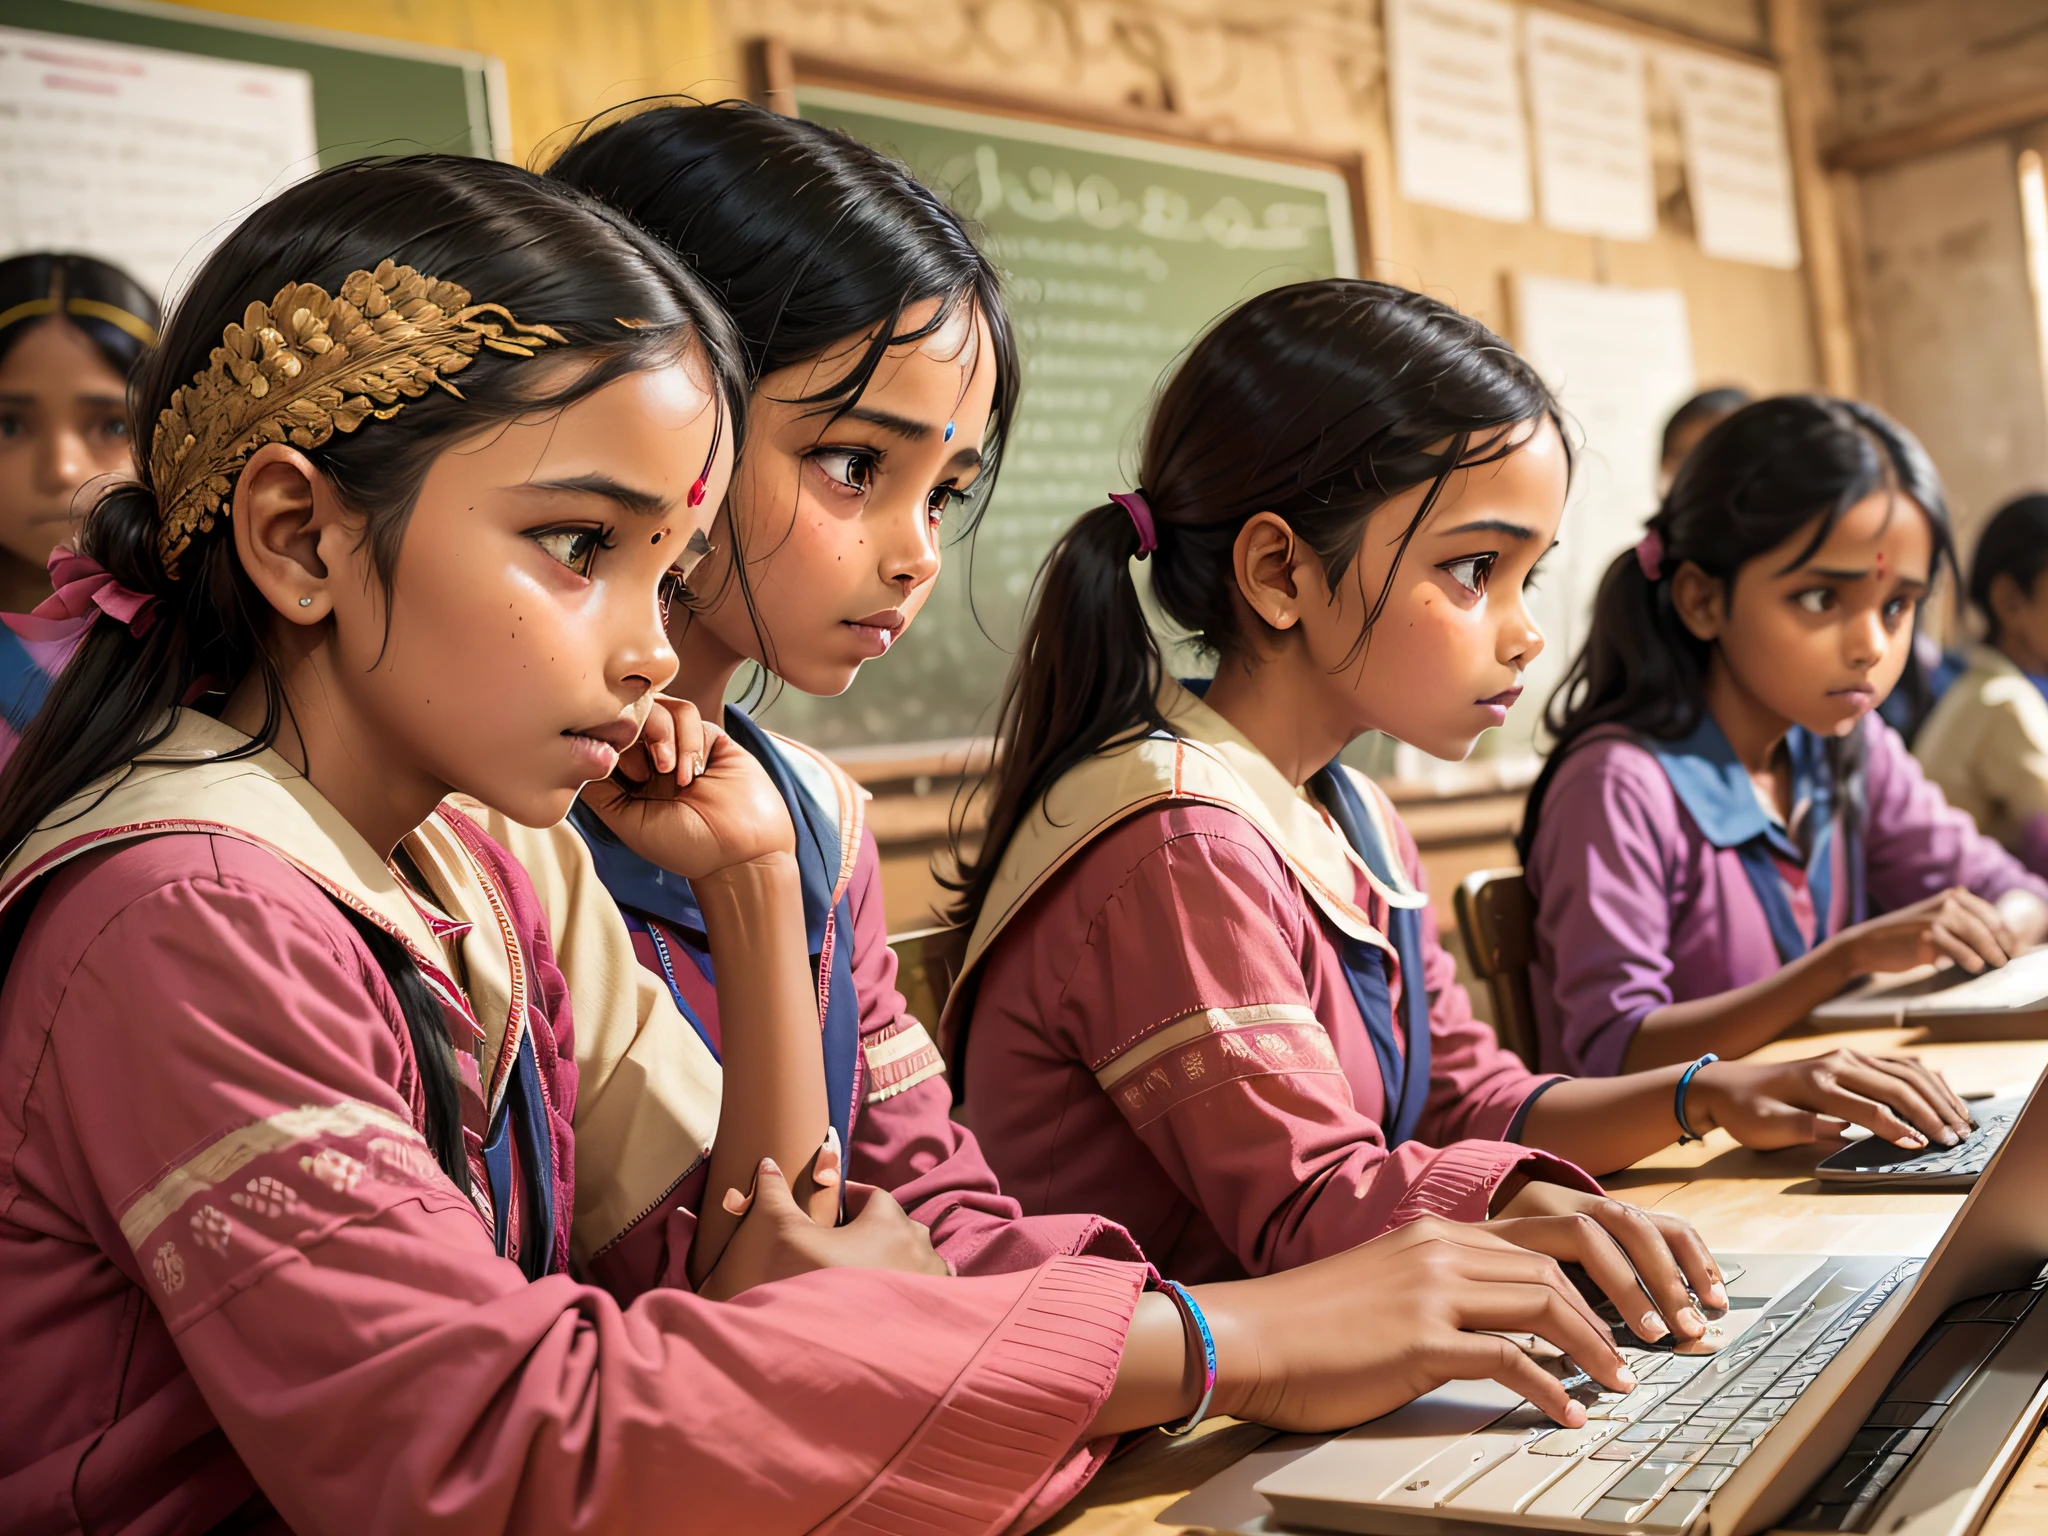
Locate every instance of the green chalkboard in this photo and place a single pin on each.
(370, 96)
(1118, 250)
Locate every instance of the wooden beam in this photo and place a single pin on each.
(1937, 133)
(1598, 15)
(1831, 284)
(771, 78)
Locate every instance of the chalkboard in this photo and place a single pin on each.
(1118, 249)
(370, 95)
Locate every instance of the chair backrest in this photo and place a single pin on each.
(927, 961)
(1497, 920)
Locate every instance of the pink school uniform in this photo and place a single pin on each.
(1187, 1007)
(237, 1288)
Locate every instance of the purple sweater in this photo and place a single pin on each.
(1643, 898)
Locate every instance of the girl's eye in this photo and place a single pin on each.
(115, 429)
(941, 498)
(11, 425)
(1815, 599)
(577, 548)
(1471, 571)
(847, 467)
(1897, 611)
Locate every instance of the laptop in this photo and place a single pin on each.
(1884, 1394)
(1929, 993)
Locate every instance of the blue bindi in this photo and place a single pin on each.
(949, 432)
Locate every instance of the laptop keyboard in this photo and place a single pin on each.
(1966, 1159)
(1927, 1385)
(1693, 1419)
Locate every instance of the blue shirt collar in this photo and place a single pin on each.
(1716, 791)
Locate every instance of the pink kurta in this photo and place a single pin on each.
(1165, 1035)
(233, 1281)
(905, 1139)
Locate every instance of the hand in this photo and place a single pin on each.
(2026, 915)
(689, 798)
(777, 1240)
(1956, 925)
(1650, 1265)
(1356, 1335)
(1784, 1104)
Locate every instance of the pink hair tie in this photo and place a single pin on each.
(1650, 554)
(83, 585)
(1140, 511)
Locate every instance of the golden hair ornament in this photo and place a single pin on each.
(307, 365)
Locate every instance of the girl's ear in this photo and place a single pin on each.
(1266, 555)
(282, 507)
(1700, 600)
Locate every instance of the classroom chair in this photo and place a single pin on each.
(1497, 920)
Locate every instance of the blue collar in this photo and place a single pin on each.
(1716, 791)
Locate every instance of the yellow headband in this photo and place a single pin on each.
(90, 309)
(307, 365)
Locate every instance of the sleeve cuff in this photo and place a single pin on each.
(1005, 1443)
(1460, 1181)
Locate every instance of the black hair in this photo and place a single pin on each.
(1757, 479)
(2014, 543)
(114, 311)
(620, 303)
(1318, 402)
(1708, 404)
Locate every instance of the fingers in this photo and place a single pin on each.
(770, 1193)
(1824, 1094)
(1702, 1272)
(1503, 1290)
(658, 739)
(1931, 1086)
(1980, 924)
(1498, 1360)
(826, 1166)
(1910, 1096)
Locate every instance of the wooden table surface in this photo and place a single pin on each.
(1741, 1201)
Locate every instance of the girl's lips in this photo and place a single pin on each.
(1504, 700)
(876, 632)
(598, 748)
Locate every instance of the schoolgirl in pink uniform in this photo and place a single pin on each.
(1204, 992)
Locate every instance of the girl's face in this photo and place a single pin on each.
(525, 641)
(1821, 643)
(1445, 659)
(841, 518)
(63, 423)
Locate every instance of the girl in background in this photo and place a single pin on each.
(284, 1234)
(1986, 744)
(1204, 994)
(71, 331)
(1720, 818)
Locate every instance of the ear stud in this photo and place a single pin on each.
(949, 433)
(305, 602)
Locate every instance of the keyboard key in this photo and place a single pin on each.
(1643, 1434)
(1614, 1450)
(1449, 1470)
(1694, 1434)
(1563, 1498)
(1569, 1442)
(1612, 1511)
(1505, 1487)
(1704, 1479)
(1674, 1512)
(1725, 1453)
(1648, 1480)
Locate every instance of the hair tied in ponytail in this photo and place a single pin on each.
(83, 585)
(1650, 554)
(1140, 510)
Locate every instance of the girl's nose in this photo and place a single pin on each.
(64, 464)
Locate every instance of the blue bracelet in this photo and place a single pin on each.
(1191, 1316)
(1685, 1131)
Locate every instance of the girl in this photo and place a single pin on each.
(1204, 994)
(282, 1219)
(71, 330)
(1986, 744)
(885, 377)
(1719, 818)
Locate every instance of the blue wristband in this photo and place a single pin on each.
(1191, 1317)
(1685, 1131)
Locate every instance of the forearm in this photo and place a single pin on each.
(1737, 1022)
(773, 1099)
(1606, 1123)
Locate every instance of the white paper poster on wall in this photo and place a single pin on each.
(140, 156)
(1589, 110)
(1737, 165)
(1456, 92)
(1620, 360)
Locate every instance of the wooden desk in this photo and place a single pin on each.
(1740, 1201)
